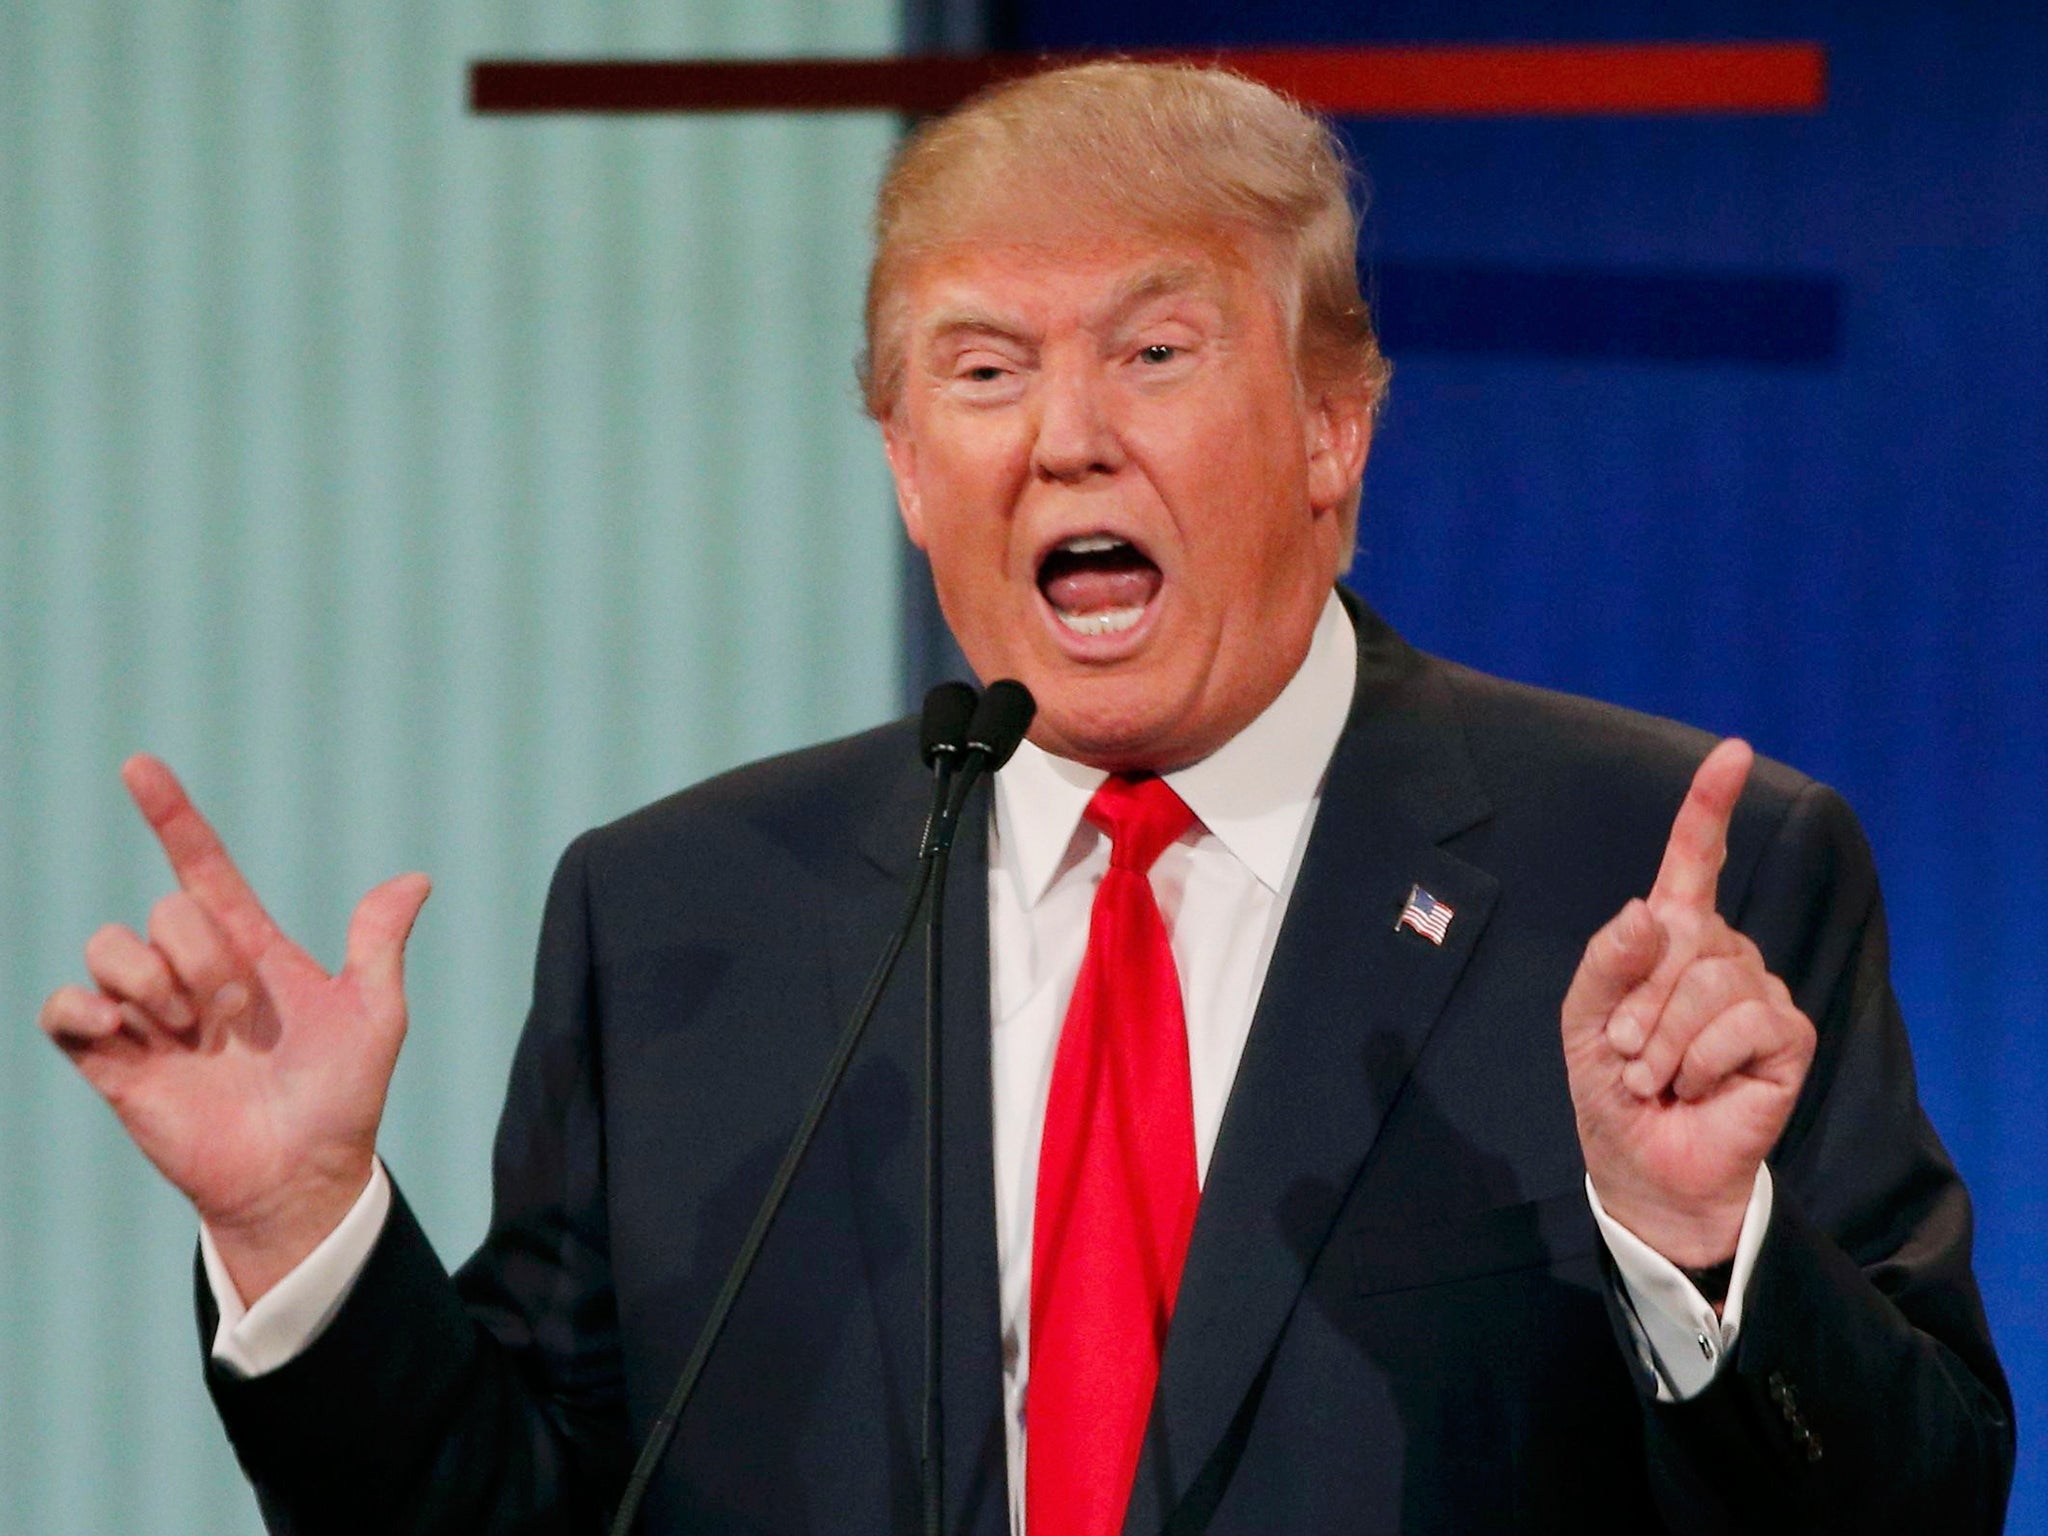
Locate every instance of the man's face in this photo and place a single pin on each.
(1128, 502)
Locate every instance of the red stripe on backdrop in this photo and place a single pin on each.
(1544, 80)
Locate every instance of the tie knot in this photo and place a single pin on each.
(1142, 815)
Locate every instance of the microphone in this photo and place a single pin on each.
(942, 739)
(947, 738)
(996, 728)
(948, 711)
(990, 735)
(994, 732)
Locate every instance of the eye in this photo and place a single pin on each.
(983, 377)
(1158, 352)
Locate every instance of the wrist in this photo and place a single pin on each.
(1700, 1241)
(265, 1240)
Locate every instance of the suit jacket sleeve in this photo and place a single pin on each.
(489, 1402)
(1863, 1394)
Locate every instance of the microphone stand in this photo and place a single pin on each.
(998, 725)
(932, 1455)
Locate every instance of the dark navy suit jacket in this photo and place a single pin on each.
(1395, 1314)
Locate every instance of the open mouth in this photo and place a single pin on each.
(1098, 583)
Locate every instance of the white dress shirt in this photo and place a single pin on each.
(1223, 890)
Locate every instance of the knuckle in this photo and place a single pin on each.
(161, 909)
(1663, 1047)
(1713, 1046)
(168, 917)
(1718, 1051)
(1696, 1069)
(1735, 976)
(1680, 919)
(1763, 1017)
(1692, 998)
(121, 962)
(57, 1007)
(72, 1014)
(1722, 940)
(1726, 982)
(151, 972)
(105, 943)
(1733, 948)
(1617, 950)
(1752, 1018)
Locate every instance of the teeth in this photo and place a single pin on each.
(1110, 621)
(1093, 544)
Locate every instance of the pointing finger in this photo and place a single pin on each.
(197, 856)
(1698, 845)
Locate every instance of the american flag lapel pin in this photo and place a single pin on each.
(1425, 915)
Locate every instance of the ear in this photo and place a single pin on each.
(1339, 436)
(901, 448)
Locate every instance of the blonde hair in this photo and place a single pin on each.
(1167, 149)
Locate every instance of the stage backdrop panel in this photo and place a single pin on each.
(424, 488)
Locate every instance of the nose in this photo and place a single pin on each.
(1076, 437)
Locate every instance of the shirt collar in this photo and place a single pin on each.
(1252, 794)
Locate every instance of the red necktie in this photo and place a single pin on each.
(1116, 1187)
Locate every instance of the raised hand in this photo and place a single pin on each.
(252, 1078)
(1685, 1054)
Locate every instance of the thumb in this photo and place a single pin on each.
(377, 933)
(1618, 959)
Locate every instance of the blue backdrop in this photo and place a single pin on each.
(1746, 421)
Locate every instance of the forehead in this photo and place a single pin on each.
(1090, 281)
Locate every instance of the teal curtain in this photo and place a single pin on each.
(425, 488)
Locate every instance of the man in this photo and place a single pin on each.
(1375, 1024)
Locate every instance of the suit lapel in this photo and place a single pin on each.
(885, 1130)
(1348, 1001)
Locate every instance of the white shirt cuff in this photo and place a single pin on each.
(287, 1318)
(1681, 1341)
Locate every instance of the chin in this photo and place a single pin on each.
(1120, 734)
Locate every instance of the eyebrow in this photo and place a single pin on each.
(973, 320)
(1133, 293)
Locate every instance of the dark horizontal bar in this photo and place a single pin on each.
(916, 85)
(1599, 314)
(1537, 79)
